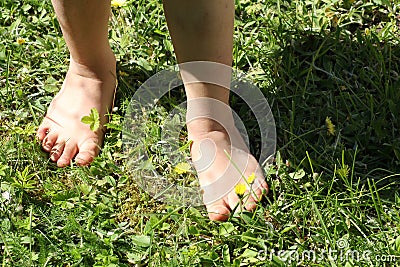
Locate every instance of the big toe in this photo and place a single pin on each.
(88, 150)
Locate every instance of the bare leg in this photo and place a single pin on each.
(89, 83)
(202, 30)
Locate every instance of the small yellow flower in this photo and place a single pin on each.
(251, 178)
(122, 73)
(330, 126)
(240, 189)
(335, 21)
(20, 40)
(182, 167)
(118, 3)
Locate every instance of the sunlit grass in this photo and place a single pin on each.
(330, 71)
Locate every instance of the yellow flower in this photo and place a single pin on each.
(330, 126)
(182, 167)
(118, 3)
(123, 73)
(20, 40)
(335, 21)
(240, 189)
(251, 178)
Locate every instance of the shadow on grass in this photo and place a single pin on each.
(353, 79)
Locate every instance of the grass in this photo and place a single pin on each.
(334, 186)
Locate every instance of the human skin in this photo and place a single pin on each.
(201, 30)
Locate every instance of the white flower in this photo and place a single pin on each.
(6, 195)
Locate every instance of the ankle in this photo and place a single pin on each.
(199, 129)
(99, 68)
(208, 114)
(204, 125)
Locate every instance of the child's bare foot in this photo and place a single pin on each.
(219, 174)
(62, 133)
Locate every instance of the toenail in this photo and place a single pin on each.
(62, 162)
(82, 162)
(53, 154)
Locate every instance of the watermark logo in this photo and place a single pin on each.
(342, 243)
(139, 141)
(341, 254)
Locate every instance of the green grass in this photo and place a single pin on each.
(312, 60)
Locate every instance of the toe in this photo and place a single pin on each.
(68, 154)
(57, 150)
(42, 131)
(259, 188)
(218, 212)
(233, 200)
(251, 203)
(49, 141)
(87, 152)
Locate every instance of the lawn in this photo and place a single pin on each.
(331, 73)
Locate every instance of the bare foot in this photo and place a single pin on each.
(62, 133)
(219, 173)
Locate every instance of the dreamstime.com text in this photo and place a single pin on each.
(339, 255)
